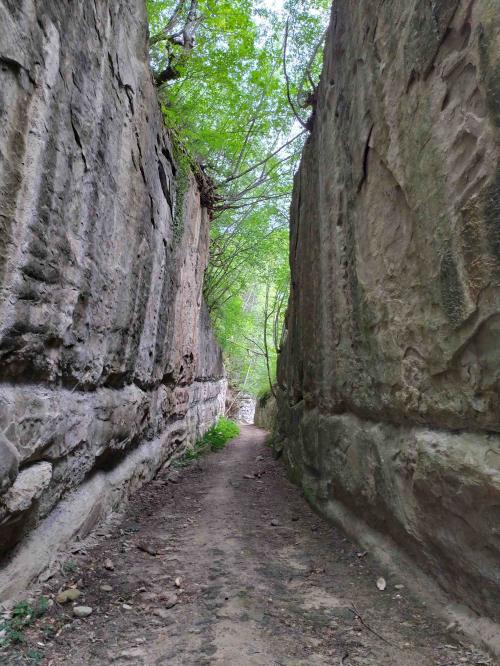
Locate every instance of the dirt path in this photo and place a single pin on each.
(264, 582)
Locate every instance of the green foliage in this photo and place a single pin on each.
(41, 607)
(22, 610)
(22, 616)
(69, 567)
(251, 327)
(263, 396)
(48, 630)
(307, 23)
(35, 656)
(229, 104)
(214, 439)
(221, 433)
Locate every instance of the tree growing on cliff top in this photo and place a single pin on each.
(219, 69)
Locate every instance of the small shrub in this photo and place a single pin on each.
(213, 440)
(219, 434)
(12, 636)
(263, 396)
(69, 567)
(48, 630)
(42, 606)
(22, 616)
(35, 656)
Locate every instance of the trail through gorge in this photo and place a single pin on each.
(223, 562)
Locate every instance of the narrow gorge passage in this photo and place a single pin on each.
(264, 581)
(293, 203)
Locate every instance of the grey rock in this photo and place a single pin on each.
(266, 411)
(170, 600)
(148, 548)
(28, 487)
(82, 611)
(108, 564)
(245, 411)
(106, 349)
(389, 391)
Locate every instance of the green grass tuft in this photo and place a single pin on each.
(214, 439)
(23, 615)
(219, 434)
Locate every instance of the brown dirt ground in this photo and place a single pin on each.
(252, 593)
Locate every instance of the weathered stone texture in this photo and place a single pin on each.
(104, 343)
(390, 377)
(266, 413)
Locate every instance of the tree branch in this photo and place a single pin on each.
(266, 159)
(287, 78)
(307, 72)
(165, 31)
(183, 38)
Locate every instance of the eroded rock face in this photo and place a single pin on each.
(246, 409)
(104, 342)
(390, 378)
(28, 487)
(266, 412)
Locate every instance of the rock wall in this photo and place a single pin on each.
(266, 412)
(390, 377)
(246, 409)
(106, 352)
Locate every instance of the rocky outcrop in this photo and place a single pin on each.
(390, 377)
(246, 409)
(266, 412)
(106, 352)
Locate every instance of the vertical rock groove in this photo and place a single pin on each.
(390, 378)
(107, 360)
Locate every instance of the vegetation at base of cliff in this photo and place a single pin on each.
(219, 67)
(214, 439)
(23, 615)
(221, 433)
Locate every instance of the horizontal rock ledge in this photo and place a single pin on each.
(82, 510)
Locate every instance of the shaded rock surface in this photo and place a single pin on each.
(106, 350)
(266, 412)
(390, 377)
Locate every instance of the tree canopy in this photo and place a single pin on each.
(236, 80)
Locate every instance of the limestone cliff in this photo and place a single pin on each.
(107, 360)
(390, 377)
